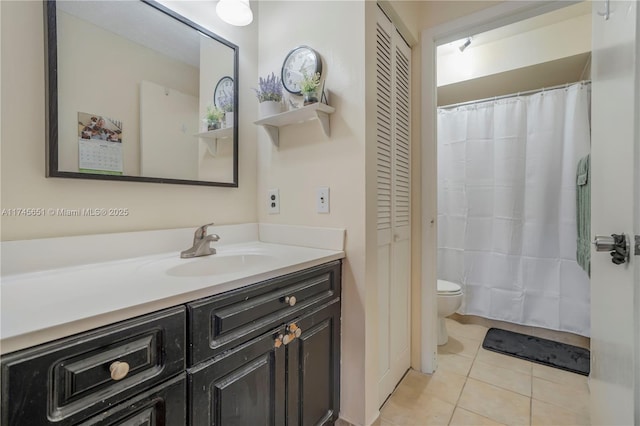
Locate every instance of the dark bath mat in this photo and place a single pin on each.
(535, 349)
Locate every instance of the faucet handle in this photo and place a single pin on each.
(201, 232)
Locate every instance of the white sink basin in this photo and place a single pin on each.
(218, 264)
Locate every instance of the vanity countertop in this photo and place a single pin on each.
(44, 305)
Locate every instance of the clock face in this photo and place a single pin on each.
(300, 61)
(223, 94)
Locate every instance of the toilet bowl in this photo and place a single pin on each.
(449, 300)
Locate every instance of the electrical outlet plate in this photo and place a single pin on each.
(273, 201)
(322, 199)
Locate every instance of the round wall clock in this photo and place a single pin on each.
(223, 94)
(301, 60)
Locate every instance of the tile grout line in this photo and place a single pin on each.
(531, 398)
(466, 380)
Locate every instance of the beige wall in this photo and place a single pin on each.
(545, 44)
(306, 159)
(151, 206)
(345, 162)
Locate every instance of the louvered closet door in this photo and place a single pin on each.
(394, 220)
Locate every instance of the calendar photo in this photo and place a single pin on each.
(99, 144)
(93, 126)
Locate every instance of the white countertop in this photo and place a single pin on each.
(43, 305)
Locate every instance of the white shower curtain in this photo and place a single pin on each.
(507, 207)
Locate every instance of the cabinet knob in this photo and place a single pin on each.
(278, 342)
(288, 339)
(294, 330)
(119, 370)
(291, 300)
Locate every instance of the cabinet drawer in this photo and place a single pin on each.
(70, 379)
(221, 322)
(164, 405)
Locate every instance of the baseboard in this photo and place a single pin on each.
(544, 333)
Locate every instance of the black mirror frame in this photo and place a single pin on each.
(51, 103)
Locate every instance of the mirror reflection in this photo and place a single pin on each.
(142, 94)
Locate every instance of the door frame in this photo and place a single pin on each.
(505, 13)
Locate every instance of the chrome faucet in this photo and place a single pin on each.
(201, 243)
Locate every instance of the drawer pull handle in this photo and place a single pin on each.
(119, 370)
(291, 300)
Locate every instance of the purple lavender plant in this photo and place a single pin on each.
(270, 89)
(226, 101)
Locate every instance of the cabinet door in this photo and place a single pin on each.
(164, 405)
(313, 369)
(243, 386)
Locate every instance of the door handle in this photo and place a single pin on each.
(616, 244)
(604, 243)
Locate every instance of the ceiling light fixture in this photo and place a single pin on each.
(466, 44)
(235, 12)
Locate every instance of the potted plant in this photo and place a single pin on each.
(269, 94)
(213, 117)
(309, 87)
(226, 105)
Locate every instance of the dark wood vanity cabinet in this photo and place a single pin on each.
(262, 358)
(265, 354)
(272, 381)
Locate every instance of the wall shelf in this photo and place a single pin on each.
(210, 138)
(314, 111)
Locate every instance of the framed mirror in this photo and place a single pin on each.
(137, 92)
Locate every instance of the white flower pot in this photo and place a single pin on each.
(228, 119)
(268, 108)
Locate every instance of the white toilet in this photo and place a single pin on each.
(449, 300)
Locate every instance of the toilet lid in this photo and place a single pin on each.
(448, 287)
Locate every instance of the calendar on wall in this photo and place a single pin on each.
(99, 144)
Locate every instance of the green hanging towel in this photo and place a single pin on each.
(583, 214)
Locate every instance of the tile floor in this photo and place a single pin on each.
(473, 386)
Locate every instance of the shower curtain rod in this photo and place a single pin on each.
(513, 95)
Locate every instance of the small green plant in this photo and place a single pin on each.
(309, 83)
(214, 115)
